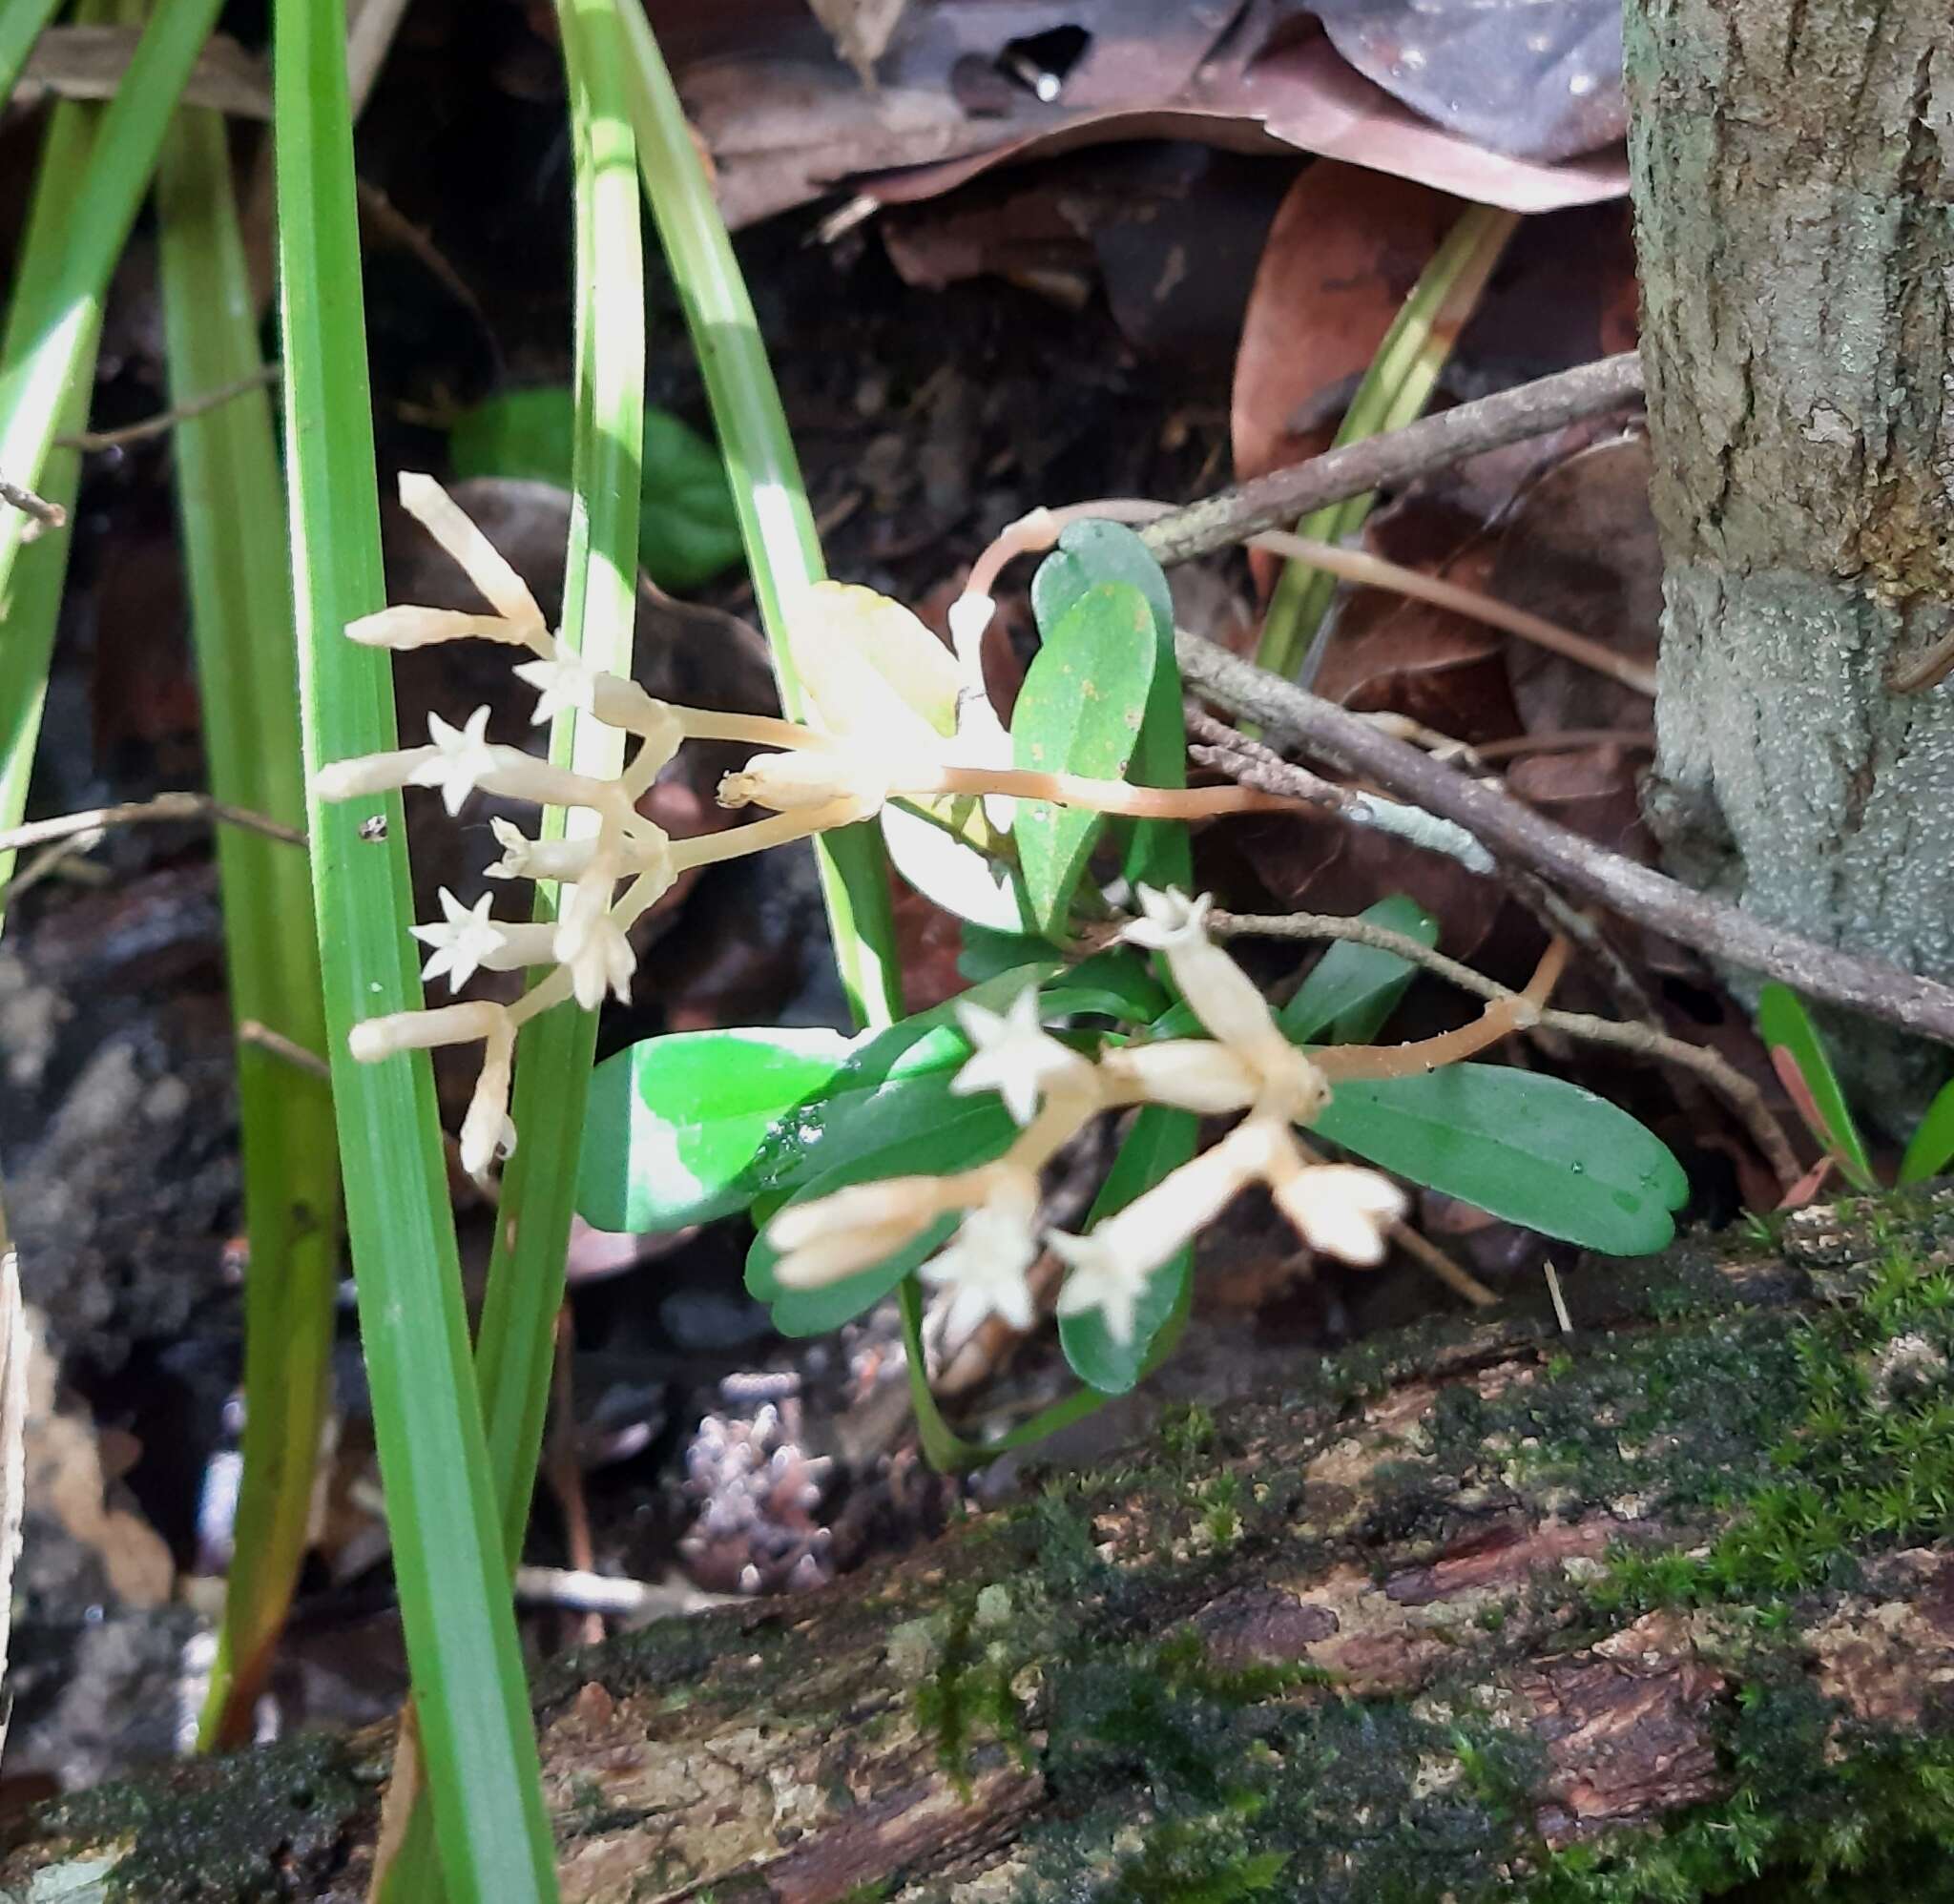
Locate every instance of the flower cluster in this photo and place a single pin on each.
(1053, 1092)
(898, 714)
(604, 842)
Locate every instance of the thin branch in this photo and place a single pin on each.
(163, 421)
(1516, 833)
(1372, 571)
(1742, 1096)
(1281, 498)
(1255, 765)
(48, 515)
(250, 1031)
(130, 813)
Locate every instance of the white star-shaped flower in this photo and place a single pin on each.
(567, 683)
(463, 943)
(1101, 1276)
(984, 1265)
(600, 959)
(1172, 920)
(463, 756)
(1015, 1056)
(1342, 1209)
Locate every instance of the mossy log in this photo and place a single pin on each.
(1663, 1608)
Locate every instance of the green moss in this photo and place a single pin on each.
(1864, 1460)
(258, 1826)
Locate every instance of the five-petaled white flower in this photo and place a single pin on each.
(463, 756)
(984, 1263)
(1103, 1277)
(467, 940)
(1015, 1056)
(1172, 920)
(1342, 1209)
(567, 683)
(599, 957)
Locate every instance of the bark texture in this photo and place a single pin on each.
(1661, 1609)
(1793, 171)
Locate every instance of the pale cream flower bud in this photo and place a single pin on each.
(897, 1201)
(1191, 1073)
(485, 565)
(1342, 1209)
(406, 627)
(371, 772)
(375, 1038)
(486, 1132)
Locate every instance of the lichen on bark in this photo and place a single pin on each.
(1793, 171)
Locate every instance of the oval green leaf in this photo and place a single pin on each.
(1091, 552)
(1352, 989)
(1079, 711)
(1533, 1149)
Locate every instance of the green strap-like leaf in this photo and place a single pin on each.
(1352, 989)
(1932, 1143)
(1786, 1026)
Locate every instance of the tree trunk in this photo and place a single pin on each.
(1642, 1611)
(1793, 169)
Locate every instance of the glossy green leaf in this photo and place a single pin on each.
(1931, 1146)
(687, 529)
(963, 1133)
(674, 1124)
(1113, 983)
(1786, 1026)
(1531, 1149)
(1160, 1142)
(1090, 552)
(698, 1123)
(1352, 989)
(1079, 711)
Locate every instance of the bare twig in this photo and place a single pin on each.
(1637, 739)
(167, 420)
(162, 807)
(1645, 1041)
(251, 1033)
(1279, 499)
(1258, 766)
(88, 63)
(1373, 571)
(1434, 1261)
(48, 515)
(1517, 833)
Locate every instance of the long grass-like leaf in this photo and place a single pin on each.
(20, 26)
(53, 323)
(782, 549)
(1394, 392)
(449, 1562)
(29, 615)
(514, 1350)
(229, 495)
